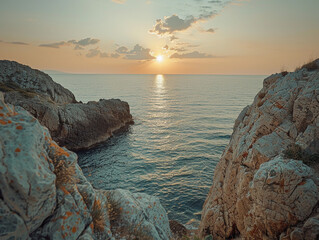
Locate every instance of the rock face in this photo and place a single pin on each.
(71, 124)
(140, 215)
(34, 80)
(44, 194)
(258, 192)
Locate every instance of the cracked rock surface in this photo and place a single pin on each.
(44, 194)
(257, 193)
(71, 124)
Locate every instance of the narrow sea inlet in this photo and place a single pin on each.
(182, 125)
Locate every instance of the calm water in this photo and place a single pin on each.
(182, 125)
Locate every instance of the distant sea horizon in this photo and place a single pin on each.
(56, 72)
(182, 125)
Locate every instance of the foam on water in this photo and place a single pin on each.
(182, 125)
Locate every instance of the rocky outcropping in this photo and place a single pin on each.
(44, 194)
(33, 80)
(266, 184)
(71, 124)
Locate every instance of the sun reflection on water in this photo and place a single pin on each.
(159, 81)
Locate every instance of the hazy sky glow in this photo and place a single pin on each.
(192, 36)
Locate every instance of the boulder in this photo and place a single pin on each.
(44, 194)
(258, 192)
(137, 215)
(71, 124)
(22, 77)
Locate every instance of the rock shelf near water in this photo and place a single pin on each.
(266, 184)
(44, 194)
(71, 124)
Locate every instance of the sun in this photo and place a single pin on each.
(159, 58)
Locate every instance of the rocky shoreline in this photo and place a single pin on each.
(71, 124)
(44, 194)
(266, 185)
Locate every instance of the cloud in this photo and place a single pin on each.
(194, 54)
(115, 55)
(96, 52)
(166, 47)
(172, 38)
(214, 1)
(85, 41)
(174, 23)
(122, 50)
(139, 53)
(93, 53)
(77, 47)
(54, 45)
(178, 49)
(19, 43)
(119, 1)
(78, 44)
(16, 43)
(210, 30)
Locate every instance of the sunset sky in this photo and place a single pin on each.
(160, 36)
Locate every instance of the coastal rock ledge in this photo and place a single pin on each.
(71, 124)
(266, 184)
(44, 194)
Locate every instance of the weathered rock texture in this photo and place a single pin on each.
(71, 124)
(44, 194)
(257, 192)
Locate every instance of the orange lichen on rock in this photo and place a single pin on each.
(68, 213)
(1, 115)
(66, 192)
(74, 229)
(278, 105)
(92, 226)
(302, 183)
(3, 122)
(12, 114)
(58, 150)
(19, 127)
(97, 202)
(18, 150)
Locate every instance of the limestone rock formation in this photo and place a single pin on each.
(44, 194)
(259, 191)
(71, 124)
(140, 215)
(34, 80)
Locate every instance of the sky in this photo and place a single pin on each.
(160, 36)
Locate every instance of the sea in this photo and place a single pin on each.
(182, 126)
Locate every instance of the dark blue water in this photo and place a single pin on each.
(182, 125)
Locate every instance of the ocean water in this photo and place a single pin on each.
(182, 125)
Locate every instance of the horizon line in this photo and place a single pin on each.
(204, 74)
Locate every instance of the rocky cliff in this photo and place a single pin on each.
(71, 124)
(266, 184)
(44, 194)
